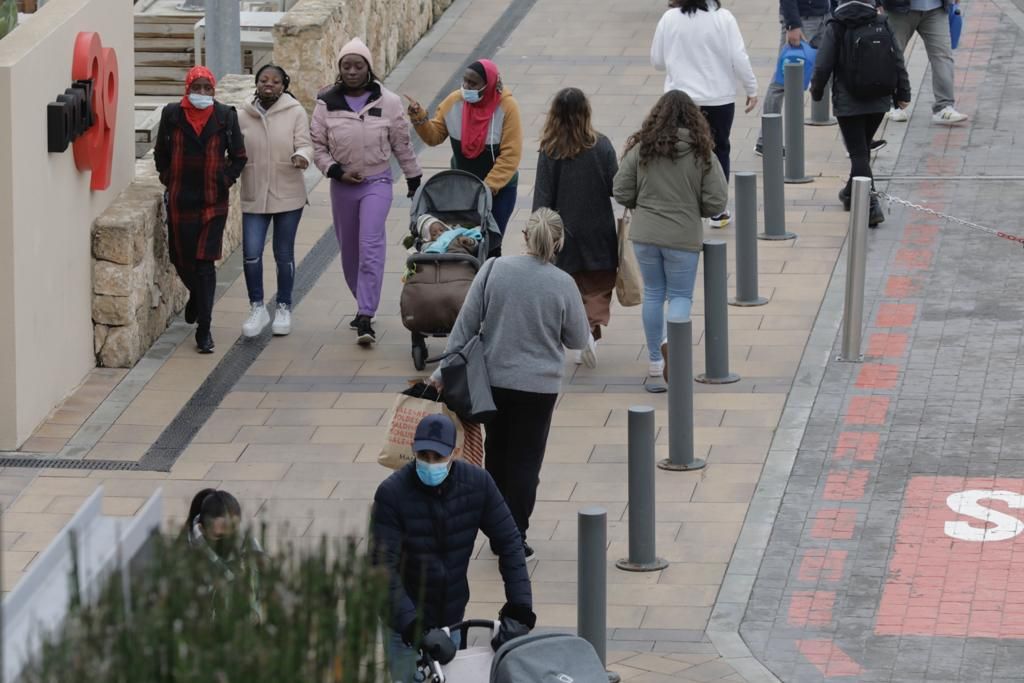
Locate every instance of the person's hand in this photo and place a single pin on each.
(351, 177)
(413, 184)
(436, 383)
(300, 162)
(751, 104)
(439, 646)
(794, 36)
(903, 105)
(515, 621)
(414, 108)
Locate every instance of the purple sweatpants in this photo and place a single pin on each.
(360, 220)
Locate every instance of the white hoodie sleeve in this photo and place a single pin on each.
(740, 60)
(658, 46)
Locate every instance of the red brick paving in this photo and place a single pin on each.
(819, 564)
(867, 410)
(828, 658)
(901, 286)
(861, 446)
(915, 259)
(833, 524)
(846, 486)
(883, 345)
(877, 376)
(895, 315)
(811, 608)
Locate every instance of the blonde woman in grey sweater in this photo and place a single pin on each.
(534, 312)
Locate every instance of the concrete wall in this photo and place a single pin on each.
(47, 208)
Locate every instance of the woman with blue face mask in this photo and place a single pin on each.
(482, 121)
(199, 155)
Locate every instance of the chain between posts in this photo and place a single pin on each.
(952, 219)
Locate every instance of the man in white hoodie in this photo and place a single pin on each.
(701, 49)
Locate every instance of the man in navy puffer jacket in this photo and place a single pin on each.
(424, 525)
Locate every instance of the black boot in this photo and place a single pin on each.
(205, 289)
(204, 341)
(875, 215)
(190, 309)
(844, 197)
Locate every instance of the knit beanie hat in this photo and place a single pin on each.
(423, 224)
(357, 47)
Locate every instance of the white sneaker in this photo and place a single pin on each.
(257, 321)
(656, 368)
(282, 320)
(948, 116)
(899, 115)
(588, 356)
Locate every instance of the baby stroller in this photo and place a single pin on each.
(534, 658)
(436, 284)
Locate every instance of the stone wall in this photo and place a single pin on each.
(307, 40)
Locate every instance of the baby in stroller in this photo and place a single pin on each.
(437, 237)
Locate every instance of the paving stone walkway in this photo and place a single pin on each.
(896, 552)
(297, 435)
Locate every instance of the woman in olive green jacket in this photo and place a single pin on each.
(671, 180)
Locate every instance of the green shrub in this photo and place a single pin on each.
(290, 616)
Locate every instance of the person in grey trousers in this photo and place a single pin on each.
(532, 312)
(930, 20)
(800, 20)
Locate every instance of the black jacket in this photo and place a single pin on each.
(829, 64)
(426, 535)
(792, 10)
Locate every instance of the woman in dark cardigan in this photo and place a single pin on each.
(575, 170)
(199, 154)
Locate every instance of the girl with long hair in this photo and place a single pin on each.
(671, 179)
(575, 169)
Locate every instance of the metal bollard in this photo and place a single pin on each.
(746, 242)
(223, 37)
(680, 399)
(772, 174)
(642, 556)
(592, 581)
(716, 317)
(853, 307)
(793, 115)
(821, 114)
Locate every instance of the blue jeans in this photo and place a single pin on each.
(668, 274)
(402, 659)
(254, 238)
(502, 207)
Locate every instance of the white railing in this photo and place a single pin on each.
(39, 601)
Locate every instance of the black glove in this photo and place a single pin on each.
(413, 184)
(439, 646)
(516, 620)
(335, 172)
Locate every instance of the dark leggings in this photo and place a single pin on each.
(858, 131)
(514, 448)
(720, 119)
(202, 286)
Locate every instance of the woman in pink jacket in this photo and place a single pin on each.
(357, 126)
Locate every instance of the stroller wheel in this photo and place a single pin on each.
(419, 356)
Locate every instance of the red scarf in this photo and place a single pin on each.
(197, 118)
(476, 118)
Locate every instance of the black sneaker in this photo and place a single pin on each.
(528, 551)
(844, 197)
(759, 150)
(354, 322)
(875, 215)
(367, 336)
(191, 315)
(204, 342)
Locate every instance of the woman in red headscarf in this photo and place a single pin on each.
(199, 155)
(482, 121)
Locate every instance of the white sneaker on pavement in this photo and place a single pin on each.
(948, 116)
(656, 368)
(257, 321)
(588, 356)
(282, 320)
(899, 115)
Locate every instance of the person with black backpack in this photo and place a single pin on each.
(859, 52)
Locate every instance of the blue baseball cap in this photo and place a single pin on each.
(435, 433)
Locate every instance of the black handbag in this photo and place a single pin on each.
(467, 386)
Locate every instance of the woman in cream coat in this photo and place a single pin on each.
(276, 131)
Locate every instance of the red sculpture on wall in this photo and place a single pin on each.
(94, 149)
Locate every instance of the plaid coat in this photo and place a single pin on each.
(197, 171)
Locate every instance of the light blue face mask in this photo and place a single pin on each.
(431, 474)
(200, 101)
(471, 96)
